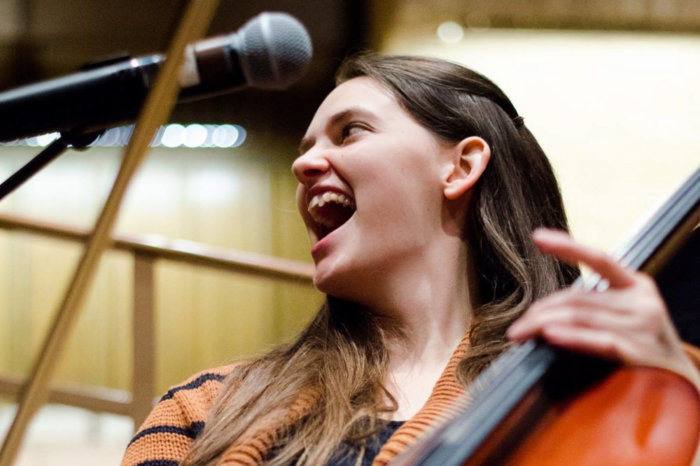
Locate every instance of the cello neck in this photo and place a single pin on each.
(666, 231)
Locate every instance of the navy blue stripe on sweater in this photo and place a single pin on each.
(194, 384)
(158, 463)
(192, 431)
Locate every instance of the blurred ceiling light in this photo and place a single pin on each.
(450, 32)
(110, 138)
(43, 140)
(173, 135)
(228, 136)
(194, 136)
(225, 136)
(242, 134)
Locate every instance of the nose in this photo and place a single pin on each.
(309, 166)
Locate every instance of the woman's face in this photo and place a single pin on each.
(370, 188)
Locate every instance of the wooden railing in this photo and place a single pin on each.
(146, 251)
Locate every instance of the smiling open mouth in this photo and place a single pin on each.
(329, 211)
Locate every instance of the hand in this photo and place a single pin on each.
(628, 322)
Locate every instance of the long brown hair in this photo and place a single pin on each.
(340, 359)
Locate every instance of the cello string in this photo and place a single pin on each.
(662, 224)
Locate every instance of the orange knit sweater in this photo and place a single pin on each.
(165, 437)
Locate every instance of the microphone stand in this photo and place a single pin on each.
(77, 141)
(195, 21)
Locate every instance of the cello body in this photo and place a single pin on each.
(627, 416)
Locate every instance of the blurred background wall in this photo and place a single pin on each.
(609, 88)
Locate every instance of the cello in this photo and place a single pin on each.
(538, 405)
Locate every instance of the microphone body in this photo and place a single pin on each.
(86, 101)
(271, 51)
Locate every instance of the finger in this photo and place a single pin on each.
(560, 245)
(595, 342)
(607, 345)
(535, 323)
(631, 300)
(636, 309)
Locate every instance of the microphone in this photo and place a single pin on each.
(271, 51)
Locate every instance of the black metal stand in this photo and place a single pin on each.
(53, 150)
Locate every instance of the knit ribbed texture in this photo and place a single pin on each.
(251, 450)
(446, 390)
(166, 436)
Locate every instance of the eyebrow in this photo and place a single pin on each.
(307, 143)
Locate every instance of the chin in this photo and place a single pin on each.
(343, 286)
(330, 285)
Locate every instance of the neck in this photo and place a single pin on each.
(429, 300)
(430, 304)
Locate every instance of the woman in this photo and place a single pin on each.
(420, 187)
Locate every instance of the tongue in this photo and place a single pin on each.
(332, 215)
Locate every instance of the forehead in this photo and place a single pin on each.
(360, 94)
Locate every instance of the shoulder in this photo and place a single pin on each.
(176, 420)
(199, 391)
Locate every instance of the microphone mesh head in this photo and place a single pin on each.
(274, 50)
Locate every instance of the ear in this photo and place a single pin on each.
(470, 159)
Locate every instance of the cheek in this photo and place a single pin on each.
(407, 176)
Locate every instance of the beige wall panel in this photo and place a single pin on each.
(208, 318)
(296, 305)
(239, 198)
(39, 271)
(5, 328)
(99, 351)
(419, 16)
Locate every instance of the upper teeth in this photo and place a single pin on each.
(319, 200)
